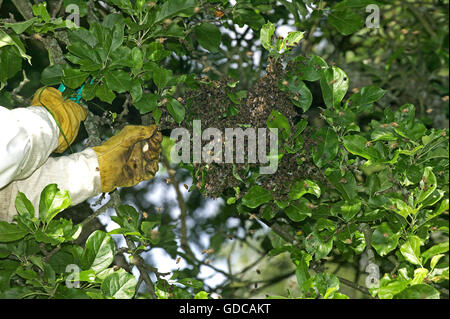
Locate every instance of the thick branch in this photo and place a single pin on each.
(24, 7)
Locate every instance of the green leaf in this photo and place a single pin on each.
(427, 185)
(52, 201)
(122, 4)
(411, 250)
(40, 10)
(105, 94)
(304, 98)
(349, 209)
(81, 35)
(73, 78)
(358, 145)
(24, 206)
(256, 196)
(119, 285)
(303, 187)
(20, 27)
(346, 185)
(89, 91)
(52, 75)
(137, 58)
(309, 69)
(433, 198)
(147, 103)
(11, 232)
(435, 259)
(98, 253)
(421, 291)
(117, 36)
(327, 146)
(157, 52)
(334, 84)
(294, 38)
(367, 95)
(297, 211)
(402, 208)
(246, 16)
(118, 81)
(54, 237)
(83, 52)
(301, 272)
(209, 36)
(265, 36)
(326, 283)
(392, 288)
(176, 109)
(346, 21)
(201, 295)
(435, 250)
(384, 240)
(14, 40)
(171, 8)
(316, 245)
(302, 95)
(136, 90)
(419, 276)
(279, 121)
(10, 63)
(156, 114)
(161, 76)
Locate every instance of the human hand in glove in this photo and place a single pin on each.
(67, 113)
(129, 157)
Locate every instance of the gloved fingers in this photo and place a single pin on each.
(150, 169)
(152, 147)
(52, 98)
(78, 111)
(47, 96)
(131, 169)
(143, 161)
(135, 133)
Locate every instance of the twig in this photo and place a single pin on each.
(140, 264)
(21, 84)
(181, 204)
(354, 285)
(114, 201)
(47, 254)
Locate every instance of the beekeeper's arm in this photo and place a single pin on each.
(126, 159)
(29, 135)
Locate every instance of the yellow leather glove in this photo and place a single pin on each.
(129, 157)
(67, 113)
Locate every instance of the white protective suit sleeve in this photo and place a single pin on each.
(27, 138)
(24, 140)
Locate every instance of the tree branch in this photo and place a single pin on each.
(140, 264)
(24, 7)
(181, 204)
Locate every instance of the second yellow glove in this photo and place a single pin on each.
(67, 113)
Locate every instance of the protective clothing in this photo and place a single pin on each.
(29, 135)
(67, 113)
(27, 138)
(129, 157)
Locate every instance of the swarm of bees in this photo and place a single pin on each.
(211, 103)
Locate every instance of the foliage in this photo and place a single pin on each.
(363, 173)
(41, 259)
